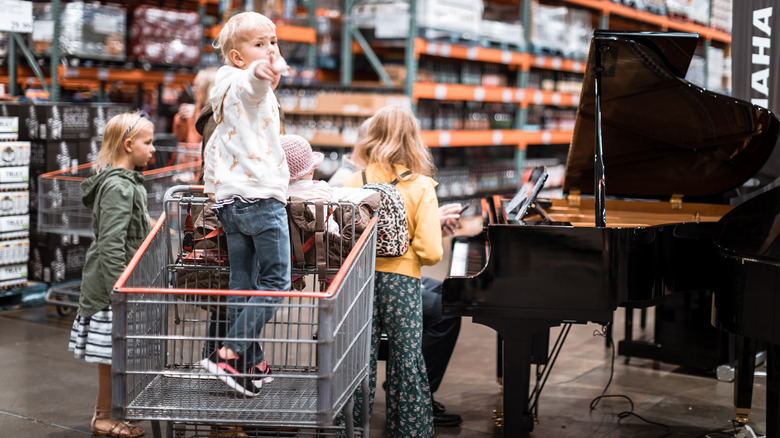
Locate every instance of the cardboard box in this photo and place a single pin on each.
(9, 127)
(15, 153)
(14, 174)
(14, 223)
(14, 199)
(87, 30)
(101, 113)
(27, 113)
(57, 264)
(14, 251)
(50, 121)
(48, 156)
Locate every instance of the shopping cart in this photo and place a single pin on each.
(317, 343)
(61, 211)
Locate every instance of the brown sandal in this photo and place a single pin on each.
(120, 429)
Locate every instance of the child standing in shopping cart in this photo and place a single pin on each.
(392, 147)
(246, 175)
(120, 220)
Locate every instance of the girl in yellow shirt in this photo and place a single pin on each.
(391, 147)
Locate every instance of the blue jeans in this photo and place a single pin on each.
(258, 239)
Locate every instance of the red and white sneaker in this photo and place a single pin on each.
(260, 373)
(226, 370)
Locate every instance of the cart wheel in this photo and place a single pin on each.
(64, 310)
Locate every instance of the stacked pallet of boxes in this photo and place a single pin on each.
(61, 136)
(14, 218)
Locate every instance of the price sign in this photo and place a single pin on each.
(17, 16)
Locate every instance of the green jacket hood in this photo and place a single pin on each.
(92, 184)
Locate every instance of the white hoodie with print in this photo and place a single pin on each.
(244, 156)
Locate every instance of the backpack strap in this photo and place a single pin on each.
(319, 242)
(403, 175)
(394, 182)
(296, 241)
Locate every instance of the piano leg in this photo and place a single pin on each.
(773, 390)
(517, 337)
(743, 379)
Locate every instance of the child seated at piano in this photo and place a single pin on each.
(391, 147)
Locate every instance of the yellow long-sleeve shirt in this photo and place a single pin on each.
(422, 213)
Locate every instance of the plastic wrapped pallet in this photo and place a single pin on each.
(699, 11)
(165, 36)
(87, 30)
(561, 30)
(720, 15)
(390, 19)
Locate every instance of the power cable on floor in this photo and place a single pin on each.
(737, 430)
(604, 332)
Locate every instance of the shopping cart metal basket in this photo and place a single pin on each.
(317, 342)
(60, 210)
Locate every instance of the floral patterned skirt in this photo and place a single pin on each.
(398, 313)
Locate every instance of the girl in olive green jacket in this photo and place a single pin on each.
(120, 221)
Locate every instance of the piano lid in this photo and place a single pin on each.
(661, 134)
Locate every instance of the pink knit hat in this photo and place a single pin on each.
(300, 158)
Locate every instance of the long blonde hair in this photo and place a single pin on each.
(118, 129)
(205, 80)
(234, 32)
(393, 137)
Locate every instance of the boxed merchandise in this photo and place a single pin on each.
(165, 36)
(390, 19)
(57, 264)
(14, 249)
(88, 150)
(15, 153)
(101, 113)
(14, 199)
(49, 156)
(27, 113)
(14, 174)
(51, 121)
(14, 223)
(699, 11)
(87, 30)
(9, 128)
(13, 272)
(498, 31)
(561, 30)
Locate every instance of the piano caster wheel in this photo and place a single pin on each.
(498, 418)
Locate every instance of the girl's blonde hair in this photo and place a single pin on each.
(393, 137)
(235, 30)
(205, 80)
(118, 129)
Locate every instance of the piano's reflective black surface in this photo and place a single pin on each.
(663, 140)
(747, 293)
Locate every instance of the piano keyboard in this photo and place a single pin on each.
(460, 255)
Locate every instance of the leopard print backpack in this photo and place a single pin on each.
(392, 235)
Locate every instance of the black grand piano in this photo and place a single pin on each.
(746, 297)
(651, 159)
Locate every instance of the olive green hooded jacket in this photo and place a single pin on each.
(121, 222)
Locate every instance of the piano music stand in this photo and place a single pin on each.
(526, 198)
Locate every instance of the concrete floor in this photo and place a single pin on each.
(47, 393)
